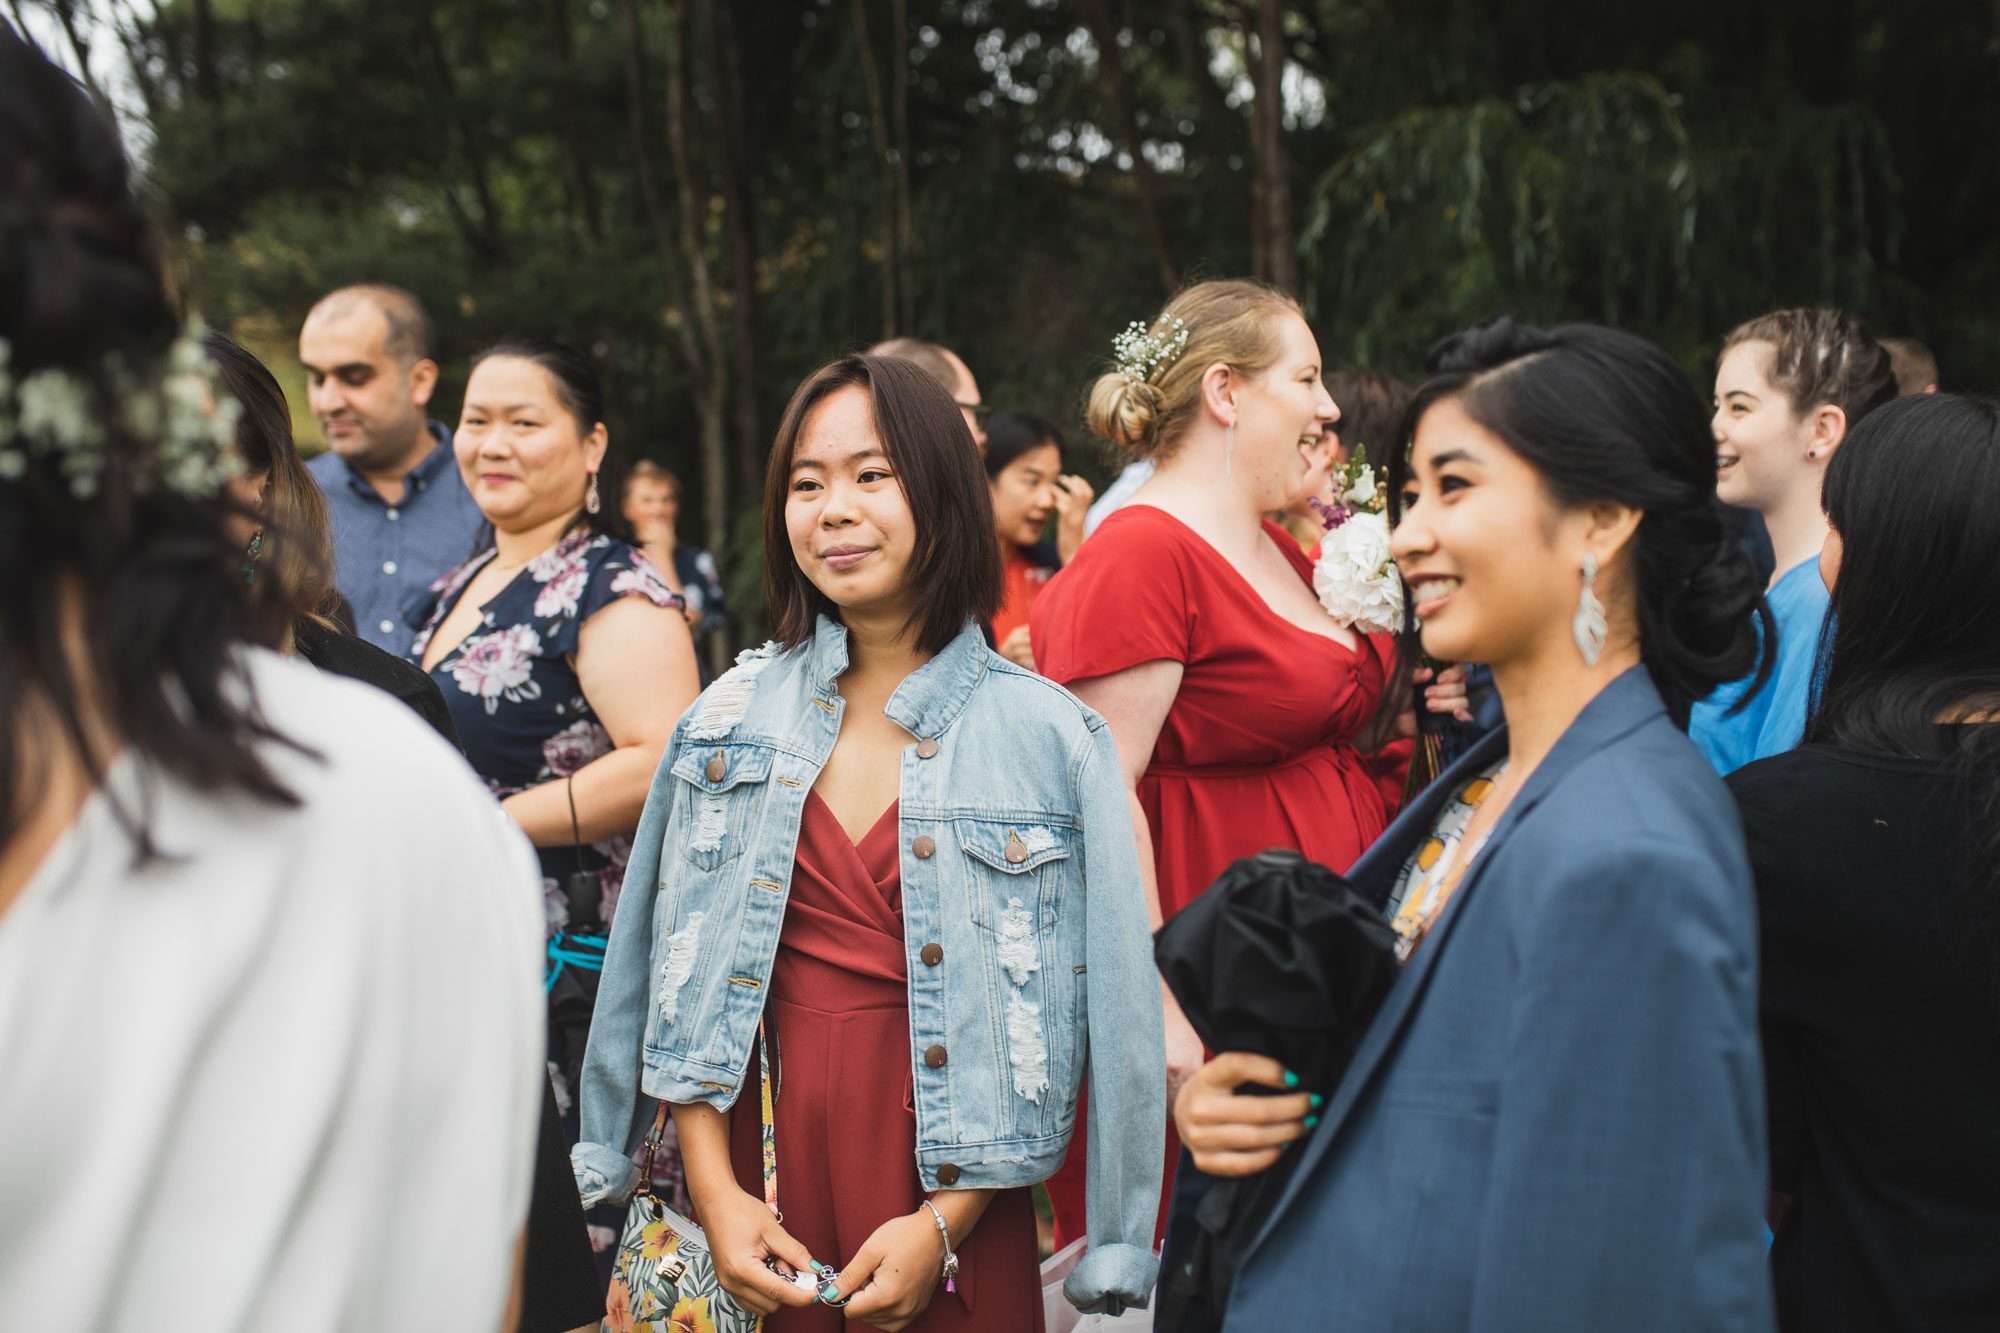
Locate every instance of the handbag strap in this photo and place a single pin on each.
(768, 1133)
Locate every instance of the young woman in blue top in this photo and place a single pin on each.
(911, 864)
(1555, 1120)
(1790, 386)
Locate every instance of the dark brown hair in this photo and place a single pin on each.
(295, 568)
(1371, 404)
(955, 567)
(1823, 358)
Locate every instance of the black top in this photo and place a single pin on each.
(341, 654)
(1881, 1041)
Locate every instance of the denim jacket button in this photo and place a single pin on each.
(935, 1057)
(932, 954)
(927, 747)
(925, 846)
(948, 1174)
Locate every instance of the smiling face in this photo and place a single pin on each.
(524, 457)
(1490, 559)
(849, 522)
(1761, 445)
(1024, 495)
(1282, 421)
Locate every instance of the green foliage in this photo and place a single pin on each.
(1674, 168)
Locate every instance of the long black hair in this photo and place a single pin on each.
(1914, 495)
(1603, 415)
(145, 580)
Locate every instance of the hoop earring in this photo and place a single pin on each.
(591, 502)
(1588, 627)
(1229, 451)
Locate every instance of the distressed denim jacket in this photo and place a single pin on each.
(1024, 922)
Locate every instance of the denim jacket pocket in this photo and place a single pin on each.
(1017, 872)
(719, 789)
(1018, 851)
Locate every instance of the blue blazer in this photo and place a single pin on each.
(1556, 1121)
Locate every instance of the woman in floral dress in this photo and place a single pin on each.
(563, 656)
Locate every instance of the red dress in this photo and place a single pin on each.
(838, 1011)
(1258, 748)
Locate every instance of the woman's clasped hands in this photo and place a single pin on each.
(888, 1284)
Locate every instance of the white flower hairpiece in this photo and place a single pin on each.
(182, 410)
(1140, 351)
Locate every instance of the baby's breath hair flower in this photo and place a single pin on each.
(1140, 351)
(179, 414)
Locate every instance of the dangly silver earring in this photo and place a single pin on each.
(1229, 451)
(1589, 627)
(591, 502)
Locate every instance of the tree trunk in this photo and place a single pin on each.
(885, 169)
(583, 192)
(712, 397)
(649, 191)
(1274, 247)
(721, 55)
(484, 236)
(1111, 59)
(899, 105)
(201, 29)
(1194, 64)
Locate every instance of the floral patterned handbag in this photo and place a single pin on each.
(665, 1281)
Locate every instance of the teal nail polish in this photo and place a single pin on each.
(1284, 1147)
(1291, 1079)
(1318, 1101)
(1311, 1120)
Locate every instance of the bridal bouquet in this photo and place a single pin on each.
(1356, 577)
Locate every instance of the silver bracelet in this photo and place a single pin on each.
(950, 1256)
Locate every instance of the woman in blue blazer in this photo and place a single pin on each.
(1555, 1121)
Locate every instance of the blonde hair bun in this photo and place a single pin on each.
(1125, 412)
(1148, 408)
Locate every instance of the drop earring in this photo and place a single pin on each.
(591, 502)
(1588, 626)
(1229, 451)
(250, 557)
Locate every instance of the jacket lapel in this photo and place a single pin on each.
(1623, 705)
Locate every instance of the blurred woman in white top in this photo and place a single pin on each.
(269, 953)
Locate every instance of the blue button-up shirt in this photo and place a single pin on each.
(386, 555)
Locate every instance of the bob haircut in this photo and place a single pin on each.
(1601, 414)
(955, 566)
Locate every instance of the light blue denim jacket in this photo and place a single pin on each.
(1018, 861)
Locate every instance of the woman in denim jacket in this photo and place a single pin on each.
(879, 778)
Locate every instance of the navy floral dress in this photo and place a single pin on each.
(523, 720)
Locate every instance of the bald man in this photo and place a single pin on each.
(942, 365)
(401, 514)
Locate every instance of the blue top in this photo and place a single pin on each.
(1018, 863)
(1555, 1121)
(386, 556)
(1775, 718)
(513, 692)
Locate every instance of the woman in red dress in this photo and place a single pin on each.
(839, 1009)
(1243, 712)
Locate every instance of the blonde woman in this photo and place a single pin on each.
(1242, 710)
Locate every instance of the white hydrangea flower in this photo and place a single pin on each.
(1356, 577)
